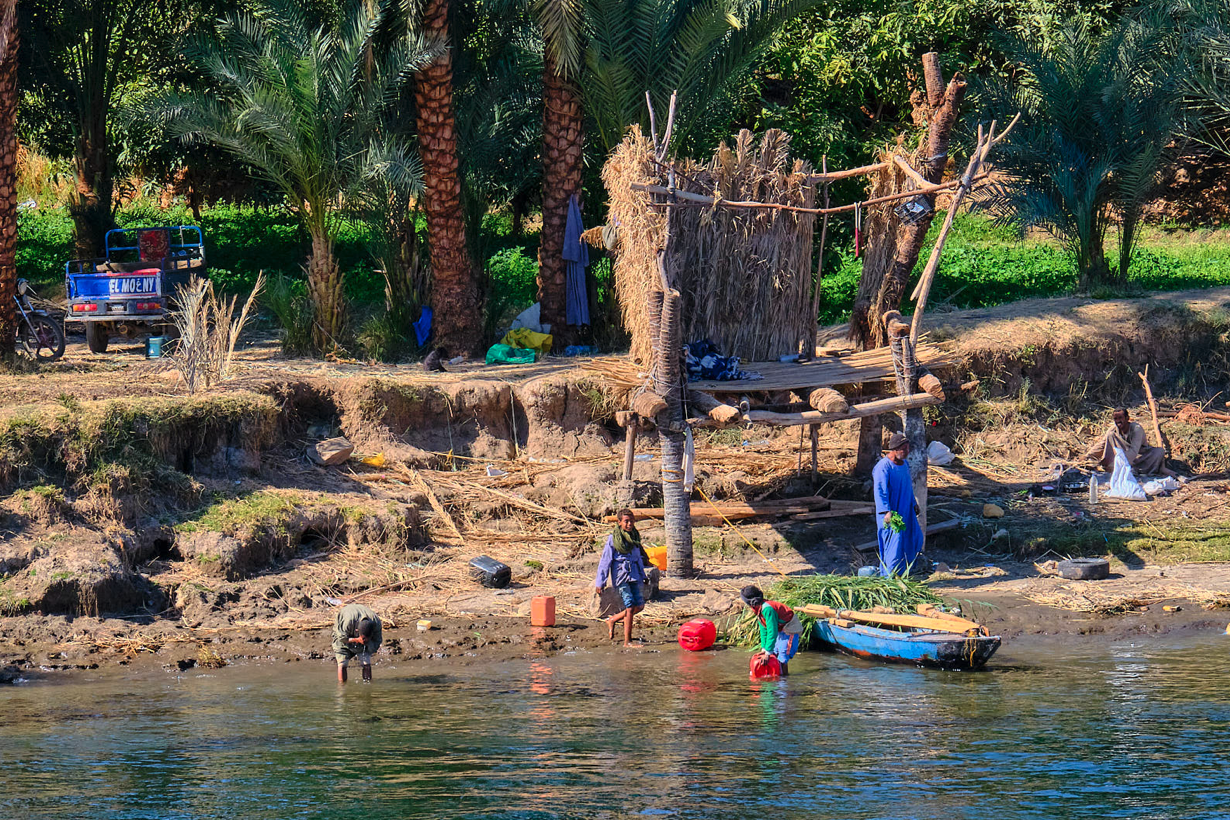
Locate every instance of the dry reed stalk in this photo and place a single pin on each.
(208, 332)
(743, 275)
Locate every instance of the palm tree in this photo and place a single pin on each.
(455, 299)
(1097, 115)
(601, 56)
(1205, 28)
(8, 173)
(81, 55)
(301, 105)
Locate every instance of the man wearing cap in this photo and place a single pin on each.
(780, 626)
(356, 634)
(900, 540)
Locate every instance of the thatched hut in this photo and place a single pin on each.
(745, 275)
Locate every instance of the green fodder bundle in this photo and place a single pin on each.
(901, 595)
(745, 274)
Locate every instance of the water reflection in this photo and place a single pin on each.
(1132, 731)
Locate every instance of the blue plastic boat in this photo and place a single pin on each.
(921, 647)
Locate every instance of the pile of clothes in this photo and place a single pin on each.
(706, 363)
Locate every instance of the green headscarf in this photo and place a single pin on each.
(625, 542)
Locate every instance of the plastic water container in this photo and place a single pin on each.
(697, 634)
(764, 667)
(542, 611)
(153, 347)
(490, 572)
(657, 556)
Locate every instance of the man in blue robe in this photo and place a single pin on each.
(894, 493)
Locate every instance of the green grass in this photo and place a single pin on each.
(244, 513)
(985, 265)
(839, 592)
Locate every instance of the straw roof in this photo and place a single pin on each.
(745, 276)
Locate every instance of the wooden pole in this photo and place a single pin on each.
(629, 448)
(1162, 441)
(971, 175)
(815, 447)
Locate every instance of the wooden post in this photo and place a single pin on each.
(629, 447)
(676, 506)
(911, 420)
(815, 447)
(1157, 428)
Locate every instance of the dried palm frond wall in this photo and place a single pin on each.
(879, 240)
(745, 275)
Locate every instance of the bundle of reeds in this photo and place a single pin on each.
(745, 275)
(901, 595)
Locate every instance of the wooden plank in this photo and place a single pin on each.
(951, 623)
(871, 408)
(841, 512)
(785, 506)
(824, 371)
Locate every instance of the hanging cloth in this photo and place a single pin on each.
(576, 254)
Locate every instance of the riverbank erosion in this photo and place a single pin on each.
(137, 523)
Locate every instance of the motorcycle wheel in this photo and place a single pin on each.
(96, 337)
(43, 338)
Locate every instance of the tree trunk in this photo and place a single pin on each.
(939, 111)
(562, 144)
(91, 200)
(457, 318)
(1127, 239)
(676, 506)
(8, 174)
(325, 291)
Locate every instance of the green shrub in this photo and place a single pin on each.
(287, 300)
(513, 276)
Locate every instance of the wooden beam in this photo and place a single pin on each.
(918, 178)
(718, 411)
(703, 199)
(871, 408)
(841, 512)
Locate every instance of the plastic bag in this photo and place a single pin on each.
(939, 454)
(689, 462)
(528, 339)
(503, 354)
(1162, 485)
(1122, 483)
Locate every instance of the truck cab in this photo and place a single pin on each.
(129, 291)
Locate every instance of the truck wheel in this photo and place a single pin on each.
(96, 337)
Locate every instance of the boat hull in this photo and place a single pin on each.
(940, 650)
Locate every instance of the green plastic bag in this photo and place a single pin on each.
(503, 354)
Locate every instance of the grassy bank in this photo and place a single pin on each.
(985, 265)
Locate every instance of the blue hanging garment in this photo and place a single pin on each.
(422, 328)
(577, 257)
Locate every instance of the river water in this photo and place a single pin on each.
(1126, 730)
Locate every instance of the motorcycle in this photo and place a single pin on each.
(39, 334)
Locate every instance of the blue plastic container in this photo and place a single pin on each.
(153, 347)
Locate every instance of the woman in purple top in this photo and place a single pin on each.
(623, 562)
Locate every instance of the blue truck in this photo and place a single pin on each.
(131, 290)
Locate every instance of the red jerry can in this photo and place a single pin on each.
(764, 666)
(697, 634)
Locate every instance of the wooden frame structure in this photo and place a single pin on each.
(665, 399)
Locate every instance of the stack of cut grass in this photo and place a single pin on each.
(839, 592)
